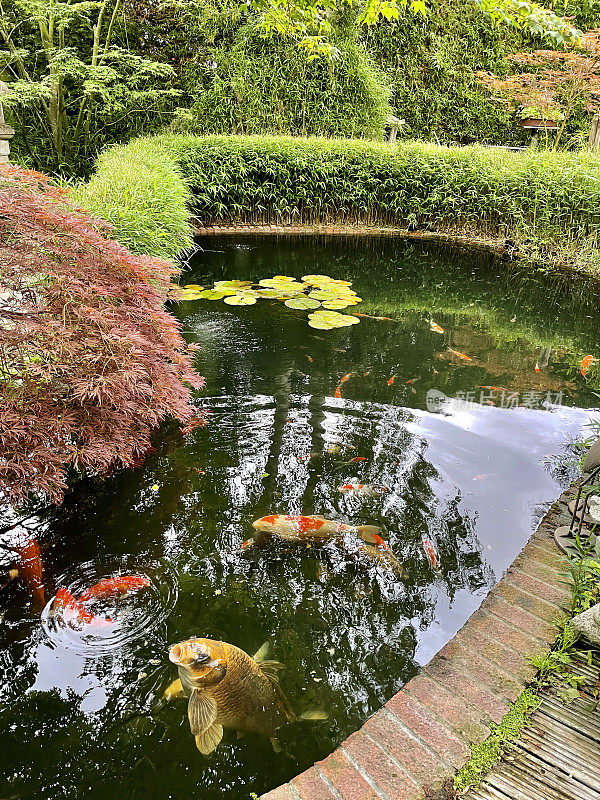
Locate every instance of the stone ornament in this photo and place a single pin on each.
(6, 132)
(587, 624)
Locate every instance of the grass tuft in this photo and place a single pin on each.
(486, 754)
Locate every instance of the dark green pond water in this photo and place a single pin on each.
(80, 709)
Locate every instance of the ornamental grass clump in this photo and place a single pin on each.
(90, 360)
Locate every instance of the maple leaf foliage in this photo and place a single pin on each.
(90, 359)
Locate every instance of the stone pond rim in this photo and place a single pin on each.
(411, 748)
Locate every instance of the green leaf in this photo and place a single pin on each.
(215, 294)
(302, 303)
(241, 300)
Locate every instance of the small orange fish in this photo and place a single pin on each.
(494, 388)
(345, 378)
(586, 364)
(412, 380)
(30, 568)
(310, 359)
(537, 367)
(365, 374)
(435, 327)
(460, 355)
(337, 392)
(356, 458)
(430, 552)
(391, 380)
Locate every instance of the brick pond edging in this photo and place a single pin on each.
(492, 244)
(411, 748)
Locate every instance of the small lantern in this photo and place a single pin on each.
(6, 132)
(394, 124)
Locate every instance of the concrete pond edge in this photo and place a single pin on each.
(412, 747)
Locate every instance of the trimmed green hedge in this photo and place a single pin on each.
(551, 199)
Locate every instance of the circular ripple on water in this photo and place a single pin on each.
(134, 617)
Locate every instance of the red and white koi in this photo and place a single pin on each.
(73, 612)
(119, 586)
(315, 529)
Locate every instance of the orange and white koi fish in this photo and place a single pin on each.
(537, 366)
(586, 363)
(310, 358)
(430, 552)
(345, 378)
(338, 392)
(435, 327)
(73, 611)
(460, 355)
(391, 380)
(30, 568)
(118, 586)
(314, 529)
(412, 380)
(368, 489)
(355, 460)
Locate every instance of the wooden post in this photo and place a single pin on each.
(594, 140)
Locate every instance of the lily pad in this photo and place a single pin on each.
(232, 284)
(268, 293)
(322, 294)
(283, 278)
(325, 320)
(302, 303)
(194, 286)
(215, 294)
(315, 280)
(333, 305)
(245, 299)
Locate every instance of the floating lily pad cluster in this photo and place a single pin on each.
(320, 294)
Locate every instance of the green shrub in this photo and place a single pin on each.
(138, 189)
(552, 199)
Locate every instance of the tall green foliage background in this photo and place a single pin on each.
(228, 78)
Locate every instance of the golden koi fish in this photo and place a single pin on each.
(314, 529)
(229, 689)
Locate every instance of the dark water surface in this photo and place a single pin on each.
(80, 710)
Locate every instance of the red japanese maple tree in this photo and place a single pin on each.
(90, 360)
(552, 81)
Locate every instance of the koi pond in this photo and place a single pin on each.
(457, 396)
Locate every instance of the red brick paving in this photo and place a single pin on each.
(409, 749)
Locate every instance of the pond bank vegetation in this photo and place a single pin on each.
(542, 205)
